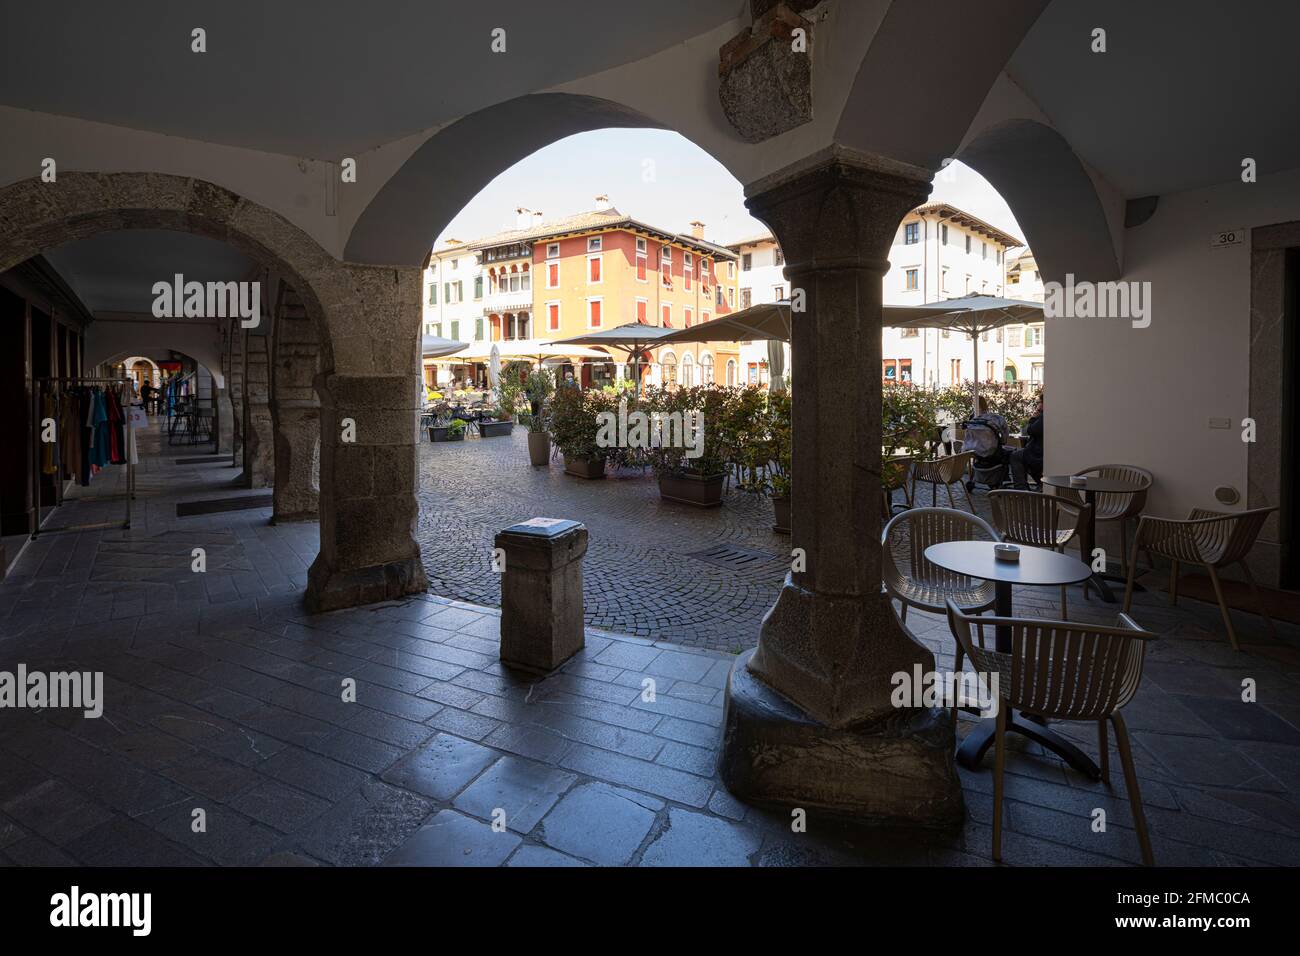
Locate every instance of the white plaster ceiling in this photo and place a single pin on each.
(321, 79)
(116, 271)
(1183, 94)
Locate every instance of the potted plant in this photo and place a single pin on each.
(448, 430)
(537, 389)
(499, 424)
(573, 426)
(688, 455)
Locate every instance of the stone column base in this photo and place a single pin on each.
(897, 771)
(330, 590)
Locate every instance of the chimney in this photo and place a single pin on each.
(602, 198)
(697, 229)
(523, 217)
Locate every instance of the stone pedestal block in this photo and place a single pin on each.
(894, 771)
(541, 592)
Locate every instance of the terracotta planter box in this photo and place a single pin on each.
(584, 467)
(495, 429)
(539, 448)
(703, 491)
(781, 509)
(444, 434)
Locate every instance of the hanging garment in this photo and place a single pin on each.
(99, 426)
(116, 426)
(85, 409)
(48, 414)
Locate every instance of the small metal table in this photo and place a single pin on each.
(1094, 487)
(1036, 567)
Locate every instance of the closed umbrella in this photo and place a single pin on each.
(494, 367)
(776, 364)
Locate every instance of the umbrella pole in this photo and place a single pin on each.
(975, 379)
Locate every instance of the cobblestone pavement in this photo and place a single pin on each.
(221, 693)
(643, 574)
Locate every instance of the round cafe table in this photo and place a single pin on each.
(1094, 487)
(1036, 567)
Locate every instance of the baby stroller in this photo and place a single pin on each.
(986, 436)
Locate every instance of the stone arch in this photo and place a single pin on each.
(361, 314)
(920, 119)
(1051, 194)
(402, 221)
(40, 216)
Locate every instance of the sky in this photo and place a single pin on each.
(662, 179)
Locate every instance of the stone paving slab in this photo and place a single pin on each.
(226, 698)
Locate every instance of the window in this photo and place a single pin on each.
(912, 280)
(552, 275)
(553, 316)
(968, 282)
(731, 371)
(746, 298)
(731, 297)
(999, 259)
(984, 250)
(455, 330)
(455, 264)
(944, 286)
(433, 293)
(954, 371)
(478, 330)
(746, 262)
(778, 257)
(889, 370)
(452, 292)
(908, 333)
(704, 317)
(911, 233)
(687, 315)
(641, 266)
(731, 269)
(779, 292)
(666, 254)
(998, 336)
(968, 245)
(643, 311)
(666, 313)
(525, 320)
(706, 369)
(943, 233)
(988, 371)
(688, 370)
(593, 269)
(593, 243)
(437, 329)
(904, 370)
(686, 272)
(706, 272)
(640, 244)
(552, 250)
(668, 363)
(1033, 336)
(478, 287)
(1013, 338)
(593, 312)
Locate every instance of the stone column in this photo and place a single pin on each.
(235, 389)
(367, 519)
(225, 421)
(259, 435)
(295, 413)
(809, 718)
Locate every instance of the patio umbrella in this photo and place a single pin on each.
(634, 338)
(971, 314)
(494, 367)
(767, 320)
(435, 346)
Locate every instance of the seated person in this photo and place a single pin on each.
(1028, 461)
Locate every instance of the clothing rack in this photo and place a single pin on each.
(72, 381)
